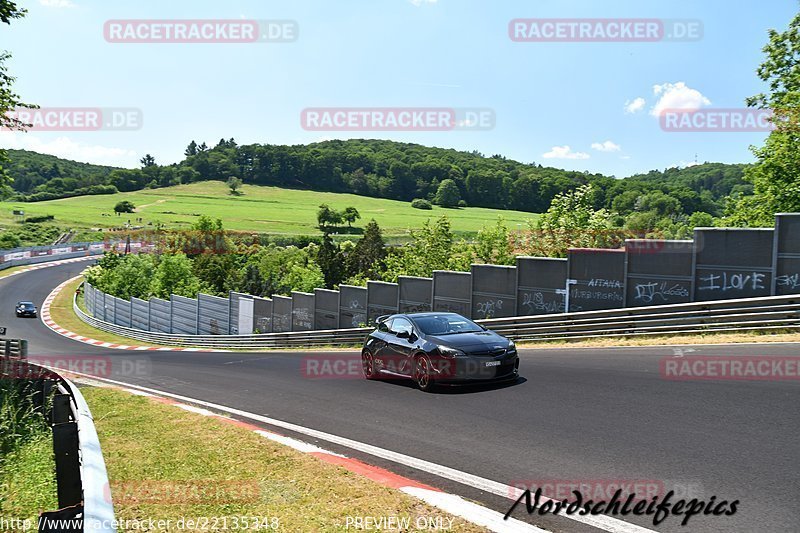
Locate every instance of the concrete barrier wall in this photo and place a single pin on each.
(658, 272)
(140, 314)
(213, 315)
(122, 312)
(733, 263)
(786, 263)
(382, 299)
(160, 315)
(352, 306)
(302, 311)
(541, 283)
(88, 298)
(262, 315)
(281, 314)
(494, 291)
(415, 294)
(452, 292)
(241, 313)
(326, 309)
(597, 279)
(184, 315)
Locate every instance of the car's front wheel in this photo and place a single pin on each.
(368, 363)
(423, 373)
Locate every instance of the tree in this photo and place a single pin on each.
(571, 222)
(369, 253)
(493, 246)
(431, 248)
(252, 281)
(350, 215)
(776, 174)
(191, 149)
(148, 161)
(328, 217)
(448, 194)
(331, 262)
(9, 101)
(174, 275)
(125, 206)
(234, 184)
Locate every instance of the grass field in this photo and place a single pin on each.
(260, 209)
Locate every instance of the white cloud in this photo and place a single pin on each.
(56, 3)
(69, 149)
(421, 2)
(607, 146)
(624, 157)
(635, 105)
(564, 152)
(677, 96)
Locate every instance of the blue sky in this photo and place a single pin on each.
(396, 53)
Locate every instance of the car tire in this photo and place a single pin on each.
(423, 373)
(368, 364)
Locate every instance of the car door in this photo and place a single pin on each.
(379, 341)
(400, 346)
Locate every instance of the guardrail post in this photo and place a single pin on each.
(68, 471)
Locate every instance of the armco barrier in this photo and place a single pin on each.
(751, 314)
(81, 476)
(43, 254)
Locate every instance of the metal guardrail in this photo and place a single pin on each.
(747, 314)
(16, 348)
(84, 498)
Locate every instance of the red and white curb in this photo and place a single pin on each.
(447, 502)
(50, 323)
(47, 265)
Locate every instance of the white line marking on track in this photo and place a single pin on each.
(477, 514)
(296, 444)
(606, 523)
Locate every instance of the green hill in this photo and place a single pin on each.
(259, 209)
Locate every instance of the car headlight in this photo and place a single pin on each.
(449, 352)
(512, 347)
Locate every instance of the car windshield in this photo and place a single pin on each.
(26, 305)
(446, 324)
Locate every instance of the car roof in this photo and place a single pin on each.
(24, 302)
(422, 314)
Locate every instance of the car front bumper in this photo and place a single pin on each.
(469, 369)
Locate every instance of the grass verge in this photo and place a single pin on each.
(697, 338)
(7, 272)
(27, 465)
(166, 464)
(63, 314)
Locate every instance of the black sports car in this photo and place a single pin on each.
(26, 309)
(438, 348)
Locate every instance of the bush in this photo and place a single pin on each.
(40, 218)
(124, 206)
(419, 203)
(9, 240)
(462, 203)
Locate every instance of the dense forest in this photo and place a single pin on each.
(387, 169)
(42, 177)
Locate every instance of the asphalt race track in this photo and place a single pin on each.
(576, 414)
